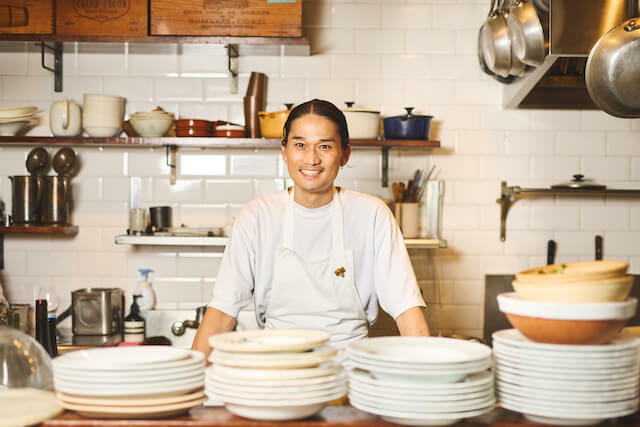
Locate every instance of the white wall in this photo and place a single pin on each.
(383, 54)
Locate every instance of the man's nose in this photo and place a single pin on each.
(312, 157)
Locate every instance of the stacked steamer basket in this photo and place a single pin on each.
(420, 380)
(567, 363)
(274, 374)
(14, 120)
(130, 382)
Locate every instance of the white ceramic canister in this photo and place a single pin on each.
(65, 118)
(362, 123)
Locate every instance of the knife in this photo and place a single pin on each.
(551, 252)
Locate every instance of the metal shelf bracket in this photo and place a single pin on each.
(170, 153)
(233, 55)
(58, 50)
(385, 166)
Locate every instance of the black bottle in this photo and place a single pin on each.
(42, 326)
(134, 324)
(51, 320)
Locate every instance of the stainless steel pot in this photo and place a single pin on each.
(496, 45)
(526, 33)
(97, 311)
(26, 198)
(613, 68)
(56, 205)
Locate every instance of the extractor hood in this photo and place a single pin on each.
(574, 26)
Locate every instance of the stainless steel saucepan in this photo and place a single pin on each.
(526, 33)
(495, 42)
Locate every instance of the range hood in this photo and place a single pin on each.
(574, 26)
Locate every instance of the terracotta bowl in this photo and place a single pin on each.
(573, 272)
(229, 131)
(603, 290)
(193, 127)
(561, 323)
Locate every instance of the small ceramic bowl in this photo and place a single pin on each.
(229, 131)
(193, 127)
(560, 323)
(573, 272)
(151, 126)
(272, 124)
(604, 290)
(103, 131)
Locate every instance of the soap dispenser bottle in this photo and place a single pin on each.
(134, 326)
(144, 289)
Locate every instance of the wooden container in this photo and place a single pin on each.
(253, 18)
(26, 17)
(102, 17)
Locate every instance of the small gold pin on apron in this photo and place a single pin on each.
(339, 271)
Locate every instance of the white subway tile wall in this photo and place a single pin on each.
(383, 54)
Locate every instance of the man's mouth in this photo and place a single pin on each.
(310, 172)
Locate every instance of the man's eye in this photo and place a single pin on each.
(299, 144)
(325, 147)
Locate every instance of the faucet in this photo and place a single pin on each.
(178, 328)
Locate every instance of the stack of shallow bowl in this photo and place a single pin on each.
(568, 319)
(420, 380)
(151, 124)
(14, 120)
(130, 382)
(273, 374)
(566, 384)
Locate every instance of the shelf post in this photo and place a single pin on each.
(385, 166)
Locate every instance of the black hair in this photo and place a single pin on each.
(324, 109)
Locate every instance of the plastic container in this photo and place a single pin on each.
(146, 292)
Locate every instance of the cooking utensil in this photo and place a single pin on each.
(496, 44)
(160, 217)
(26, 192)
(526, 34)
(551, 252)
(362, 123)
(56, 198)
(65, 161)
(613, 67)
(598, 248)
(483, 65)
(272, 124)
(407, 126)
(38, 161)
(578, 182)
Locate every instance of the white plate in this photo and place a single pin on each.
(278, 413)
(121, 357)
(129, 401)
(402, 417)
(591, 407)
(474, 382)
(224, 394)
(142, 390)
(422, 407)
(283, 387)
(479, 365)
(562, 362)
(273, 361)
(563, 354)
(562, 385)
(562, 396)
(269, 340)
(525, 371)
(277, 403)
(515, 338)
(410, 395)
(126, 379)
(8, 113)
(630, 369)
(421, 350)
(133, 412)
(117, 381)
(275, 374)
(265, 385)
(27, 406)
(510, 303)
(195, 361)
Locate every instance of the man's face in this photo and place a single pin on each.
(314, 154)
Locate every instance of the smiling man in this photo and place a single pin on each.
(315, 256)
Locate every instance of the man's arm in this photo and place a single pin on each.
(413, 323)
(213, 322)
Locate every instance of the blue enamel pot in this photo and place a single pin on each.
(408, 126)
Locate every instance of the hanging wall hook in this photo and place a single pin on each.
(57, 49)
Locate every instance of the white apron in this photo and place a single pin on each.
(316, 294)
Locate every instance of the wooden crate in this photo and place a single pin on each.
(102, 17)
(26, 17)
(253, 18)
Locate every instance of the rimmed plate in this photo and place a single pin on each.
(410, 396)
(273, 360)
(561, 396)
(474, 382)
(224, 393)
(153, 391)
(193, 359)
(422, 367)
(8, 113)
(267, 384)
(571, 407)
(515, 338)
(130, 401)
(279, 413)
(280, 403)
(423, 407)
(269, 340)
(168, 373)
(421, 350)
(562, 362)
(122, 381)
(215, 385)
(523, 371)
(121, 357)
(426, 418)
(275, 374)
(133, 412)
(565, 355)
(630, 369)
(574, 385)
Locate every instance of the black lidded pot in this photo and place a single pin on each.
(408, 126)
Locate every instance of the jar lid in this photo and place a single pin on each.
(410, 115)
(350, 108)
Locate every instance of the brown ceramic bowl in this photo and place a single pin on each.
(228, 131)
(193, 127)
(584, 271)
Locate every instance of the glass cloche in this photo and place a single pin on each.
(23, 362)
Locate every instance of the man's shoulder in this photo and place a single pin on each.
(269, 203)
(363, 201)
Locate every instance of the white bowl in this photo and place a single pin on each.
(155, 126)
(13, 128)
(102, 131)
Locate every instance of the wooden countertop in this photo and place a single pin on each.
(331, 416)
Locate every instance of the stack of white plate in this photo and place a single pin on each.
(566, 384)
(274, 374)
(421, 380)
(15, 119)
(130, 382)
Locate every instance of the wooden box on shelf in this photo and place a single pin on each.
(253, 18)
(102, 18)
(26, 17)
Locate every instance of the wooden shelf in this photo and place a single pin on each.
(68, 230)
(158, 39)
(126, 239)
(201, 142)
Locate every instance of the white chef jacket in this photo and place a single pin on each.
(383, 272)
